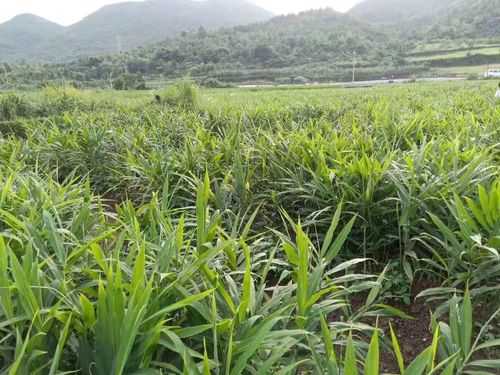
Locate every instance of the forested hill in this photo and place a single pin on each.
(318, 45)
(286, 45)
(433, 19)
(470, 19)
(322, 36)
(26, 33)
(120, 27)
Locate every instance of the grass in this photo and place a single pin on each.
(488, 51)
(236, 231)
(447, 45)
(477, 70)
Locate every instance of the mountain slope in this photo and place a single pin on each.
(314, 36)
(127, 25)
(434, 19)
(23, 33)
(307, 44)
(469, 19)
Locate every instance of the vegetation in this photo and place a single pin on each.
(248, 231)
(433, 19)
(119, 27)
(316, 45)
(381, 38)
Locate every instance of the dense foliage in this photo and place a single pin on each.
(230, 232)
(320, 45)
(434, 19)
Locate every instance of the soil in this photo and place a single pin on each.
(414, 335)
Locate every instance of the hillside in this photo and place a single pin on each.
(306, 44)
(320, 45)
(121, 27)
(471, 19)
(399, 11)
(433, 19)
(24, 33)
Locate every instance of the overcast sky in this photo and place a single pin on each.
(67, 12)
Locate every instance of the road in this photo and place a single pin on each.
(362, 83)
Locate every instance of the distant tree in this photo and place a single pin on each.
(6, 68)
(202, 33)
(263, 53)
(129, 82)
(138, 66)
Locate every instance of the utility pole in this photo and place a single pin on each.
(347, 57)
(110, 80)
(354, 66)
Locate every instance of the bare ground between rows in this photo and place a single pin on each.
(414, 335)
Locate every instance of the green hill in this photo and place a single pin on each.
(293, 45)
(471, 19)
(25, 33)
(383, 38)
(120, 27)
(434, 19)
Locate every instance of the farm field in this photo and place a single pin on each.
(473, 71)
(488, 51)
(456, 59)
(251, 231)
(448, 46)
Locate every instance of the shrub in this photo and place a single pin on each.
(12, 128)
(182, 94)
(58, 99)
(214, 83)
(12, 106)
(130, 82)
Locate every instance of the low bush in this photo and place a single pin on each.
(182, 94)
(214, 83)
(59, 99)
(12, 106)
(130, 82)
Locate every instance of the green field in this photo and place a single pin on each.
(250, 231)
(488, 51)
(475, 70)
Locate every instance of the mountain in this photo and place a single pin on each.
(309, 44)
(380, 38)
(128, 25)
(120, 27)
(470, 19)
(313, 37)
(434, 19)
(25, 33)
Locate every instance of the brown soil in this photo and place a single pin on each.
(414, 335)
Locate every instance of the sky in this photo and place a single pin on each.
(66, 12)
